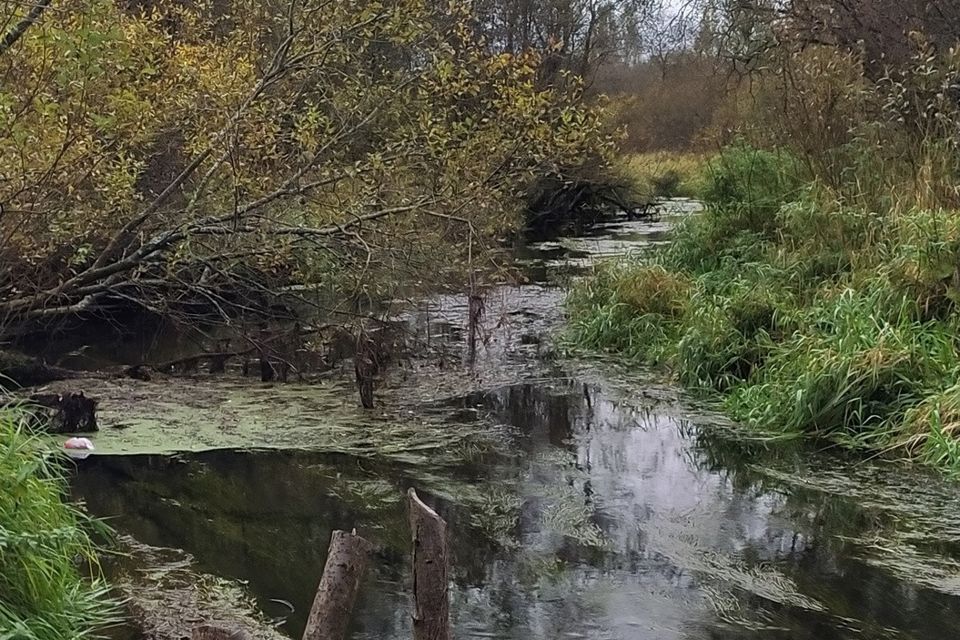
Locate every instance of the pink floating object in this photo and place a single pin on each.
(81, 444)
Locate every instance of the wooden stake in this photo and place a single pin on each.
(210, 632)
(346, 563)
(431, 602)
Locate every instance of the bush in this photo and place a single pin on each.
(46, 551)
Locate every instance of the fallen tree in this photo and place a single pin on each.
(20, 370)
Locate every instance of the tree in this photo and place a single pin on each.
(216, 160)
(577, 35)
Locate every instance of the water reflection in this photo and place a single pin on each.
(604, 513)
(605, 518)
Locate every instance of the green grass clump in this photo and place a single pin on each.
(810, 316)
(748, 186)
(735, 316)
(931, 428)
(629, 309)
(49, 584)
(744, 190)
(850, 375)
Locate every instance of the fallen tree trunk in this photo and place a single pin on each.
(19, 370)
(346, 563)
(431, 601)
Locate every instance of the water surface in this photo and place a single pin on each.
(595, 503)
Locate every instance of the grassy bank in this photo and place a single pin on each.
(46, 553)
(666, 174)
(809, 314)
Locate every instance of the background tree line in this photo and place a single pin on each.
(213, 159)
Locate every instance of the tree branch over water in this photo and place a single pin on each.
(184, 158)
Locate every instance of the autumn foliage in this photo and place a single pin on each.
(198, 159)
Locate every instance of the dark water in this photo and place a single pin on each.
(610, 508)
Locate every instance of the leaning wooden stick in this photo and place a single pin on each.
(431, 602)
(333, 604)
(211, 632)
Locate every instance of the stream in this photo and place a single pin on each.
(584, 500)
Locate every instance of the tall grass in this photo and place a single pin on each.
(666, 174)
(808, 314)
(50, 587)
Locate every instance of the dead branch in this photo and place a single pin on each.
(25, 23)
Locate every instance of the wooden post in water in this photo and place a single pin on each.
(210, 632)
(346, 563)
(431, 601)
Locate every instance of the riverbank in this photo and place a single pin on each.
(50, 587)
(582, 498)
(666, 174)
(809, 319)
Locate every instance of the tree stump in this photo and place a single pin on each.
(431, 600)
(474, 318)
(66, 412)
(346, 562)
(365, 366)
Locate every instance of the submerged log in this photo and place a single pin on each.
(18, 370)
(431, 601)
(346, 563)
(67, 412)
